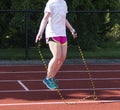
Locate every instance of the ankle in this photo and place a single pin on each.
(49, 76)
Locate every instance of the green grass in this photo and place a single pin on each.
(106, 53)
(73, 52)
(11, 54)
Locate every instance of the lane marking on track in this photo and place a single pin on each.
(54, 103)
(47, 90)
(70, 79)
(24, 87)
(77, 71)
(80, 64)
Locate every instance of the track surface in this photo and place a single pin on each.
(21, 87)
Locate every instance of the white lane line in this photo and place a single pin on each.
(70, 79)
(15, 72)
(84, 79)
(38, 65)
(47, 90)
(60, 103)
(77, 71)
(20, 82)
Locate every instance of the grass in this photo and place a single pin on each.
(106, 53)
(11, 54)
(109, 51)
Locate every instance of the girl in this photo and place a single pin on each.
(55, 22)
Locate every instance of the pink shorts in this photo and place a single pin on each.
(58, 39)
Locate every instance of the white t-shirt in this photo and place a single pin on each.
(56, 22)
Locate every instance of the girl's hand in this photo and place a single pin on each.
(74, 33)
(38, 38)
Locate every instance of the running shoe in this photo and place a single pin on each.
(54, 80)
(50, 83)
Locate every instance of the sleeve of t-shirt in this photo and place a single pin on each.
(66, 8)
(47, 7)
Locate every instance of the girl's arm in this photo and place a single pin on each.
(72, 30)
(42, 26)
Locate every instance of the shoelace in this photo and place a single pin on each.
(53, 82)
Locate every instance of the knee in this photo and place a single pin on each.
(57, 58)
(62, 58)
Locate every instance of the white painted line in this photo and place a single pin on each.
(60, 103)
(84, 79)
(15, 72)
(77, 71)
(80, 64)
(26, 89)
(70, 79)
(47, 90)
(13, 91)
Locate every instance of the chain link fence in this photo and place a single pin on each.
(98, 31)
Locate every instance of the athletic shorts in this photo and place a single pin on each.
(58, 39)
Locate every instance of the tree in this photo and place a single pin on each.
(4, 21)
(17, 23)
(93, 27)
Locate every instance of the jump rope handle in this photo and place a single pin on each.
(77, 41)
(38, 44)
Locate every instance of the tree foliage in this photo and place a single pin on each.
(93, 28)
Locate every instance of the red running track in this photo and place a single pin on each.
(21, 87)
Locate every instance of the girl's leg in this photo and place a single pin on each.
(59, 54)
(62, 59)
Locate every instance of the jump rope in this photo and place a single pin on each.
(94, 96)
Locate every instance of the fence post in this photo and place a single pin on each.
(26, 35)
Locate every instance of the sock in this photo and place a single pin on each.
(48, 78)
